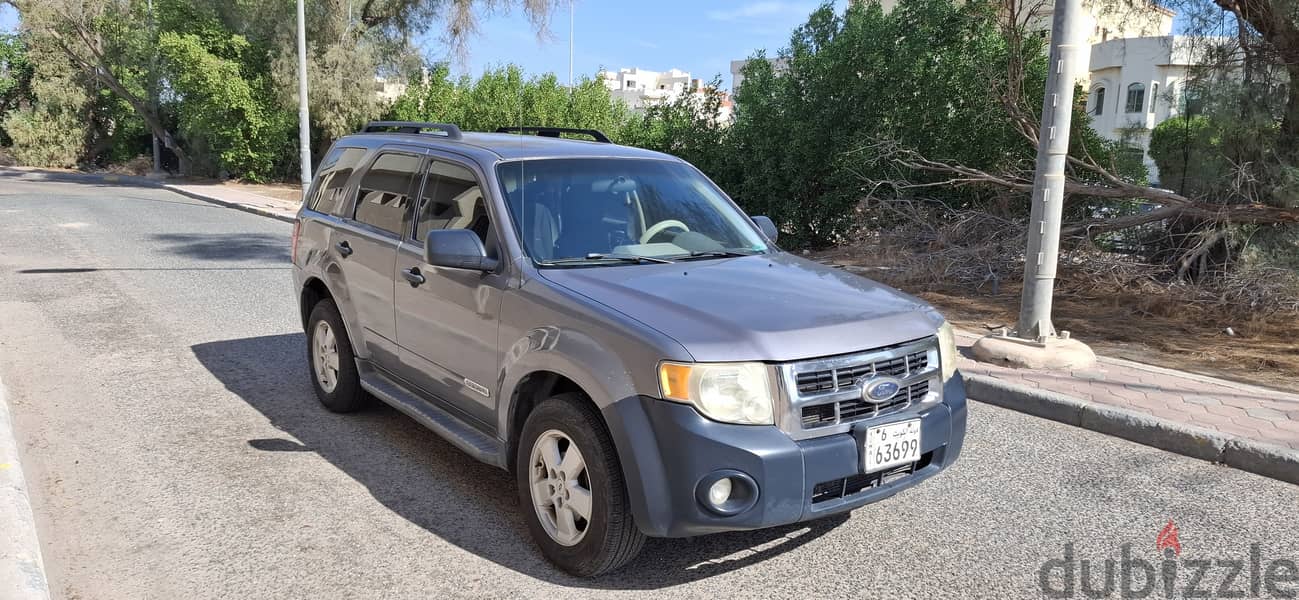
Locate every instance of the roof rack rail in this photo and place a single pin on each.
(556, 131)
(447, 129)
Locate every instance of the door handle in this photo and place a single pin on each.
(413, 276)
(344, 248)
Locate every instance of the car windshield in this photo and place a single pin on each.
(589, 211)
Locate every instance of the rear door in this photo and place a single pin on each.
(447, 326)
(366, 243)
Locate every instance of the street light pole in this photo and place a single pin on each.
(1034, 343)
(153, 92)
(304, 123)
(570, 44)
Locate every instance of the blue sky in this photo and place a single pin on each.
(8, 18)
(699, 36)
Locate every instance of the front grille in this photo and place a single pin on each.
(842, 488)
(856, 409)
(828, 380)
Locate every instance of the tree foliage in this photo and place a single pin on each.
(505, 96)
(216, 80)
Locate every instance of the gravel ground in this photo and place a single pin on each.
(156, 375)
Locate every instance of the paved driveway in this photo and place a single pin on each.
(157, 379)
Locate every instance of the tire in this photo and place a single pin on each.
(609, 538)
(345, 395)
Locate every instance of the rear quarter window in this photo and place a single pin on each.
(383, 196)
(334, 171)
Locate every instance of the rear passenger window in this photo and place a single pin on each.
(383, 196)
(451, 200)
(335, 170)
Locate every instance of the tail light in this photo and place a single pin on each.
(293, 251)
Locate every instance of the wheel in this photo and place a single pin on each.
(333, 366)
(571, 489)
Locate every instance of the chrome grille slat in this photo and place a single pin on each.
(815, 415)
(835, 379)
(823, 396)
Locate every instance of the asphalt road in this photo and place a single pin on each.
(156, 374)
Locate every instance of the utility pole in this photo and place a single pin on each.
(570, 45)
(153, 93)
(304, 123)
(1035, 343)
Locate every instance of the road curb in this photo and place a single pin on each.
(39, 175)
(22, 573)
(1188, 440)
(226, 203)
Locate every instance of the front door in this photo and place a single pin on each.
(447, 325)
(366, 242)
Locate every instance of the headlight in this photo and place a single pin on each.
(728, 392)
(947, 350)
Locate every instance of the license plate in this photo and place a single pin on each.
(892, 445)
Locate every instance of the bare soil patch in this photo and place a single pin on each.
(1262, 349)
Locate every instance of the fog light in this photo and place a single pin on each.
(720, 491)
(726, 492)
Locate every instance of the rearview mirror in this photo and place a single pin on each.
(457, 249)
(767, 226)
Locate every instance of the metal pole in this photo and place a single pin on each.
(570, 44)
(153, 90)
(1048, 184)
(304, 123)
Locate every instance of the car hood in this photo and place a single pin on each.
(772, 307)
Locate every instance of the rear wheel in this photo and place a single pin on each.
(333, 366)
(571, 489)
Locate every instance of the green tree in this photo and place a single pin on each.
(505, 96)
(15, 75)
(221, 108)
(49, 128)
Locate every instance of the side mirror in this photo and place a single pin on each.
(457, 249)
(768, 228)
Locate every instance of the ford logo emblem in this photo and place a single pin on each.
(880, 389)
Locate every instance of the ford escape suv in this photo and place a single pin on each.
(606, 324)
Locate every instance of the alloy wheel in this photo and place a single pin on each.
(561, 487)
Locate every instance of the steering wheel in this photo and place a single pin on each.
(660, 227)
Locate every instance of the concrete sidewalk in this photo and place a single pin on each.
(276, 208)
(1247, 427)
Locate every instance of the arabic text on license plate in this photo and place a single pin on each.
(892, 445)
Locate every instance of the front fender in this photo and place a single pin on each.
(612, 386)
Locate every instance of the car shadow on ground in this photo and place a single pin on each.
(425, 480)
(227, 246)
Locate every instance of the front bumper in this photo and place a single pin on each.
(667, 449)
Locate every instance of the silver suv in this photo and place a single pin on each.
(606, 324)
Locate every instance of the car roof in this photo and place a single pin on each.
(492, 147)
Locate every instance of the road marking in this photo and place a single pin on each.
(22, 573)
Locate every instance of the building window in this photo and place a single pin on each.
(1136, 98)
(1154, 96)
(1098, 102)
(1192, 100)
(631, 84)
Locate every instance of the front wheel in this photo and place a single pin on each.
(571, 489)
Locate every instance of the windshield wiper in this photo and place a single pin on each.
(631, 258)
(720, 253)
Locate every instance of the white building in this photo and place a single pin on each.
(1135, 84)
(389, 90)
(779, 65)
(640, 88)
